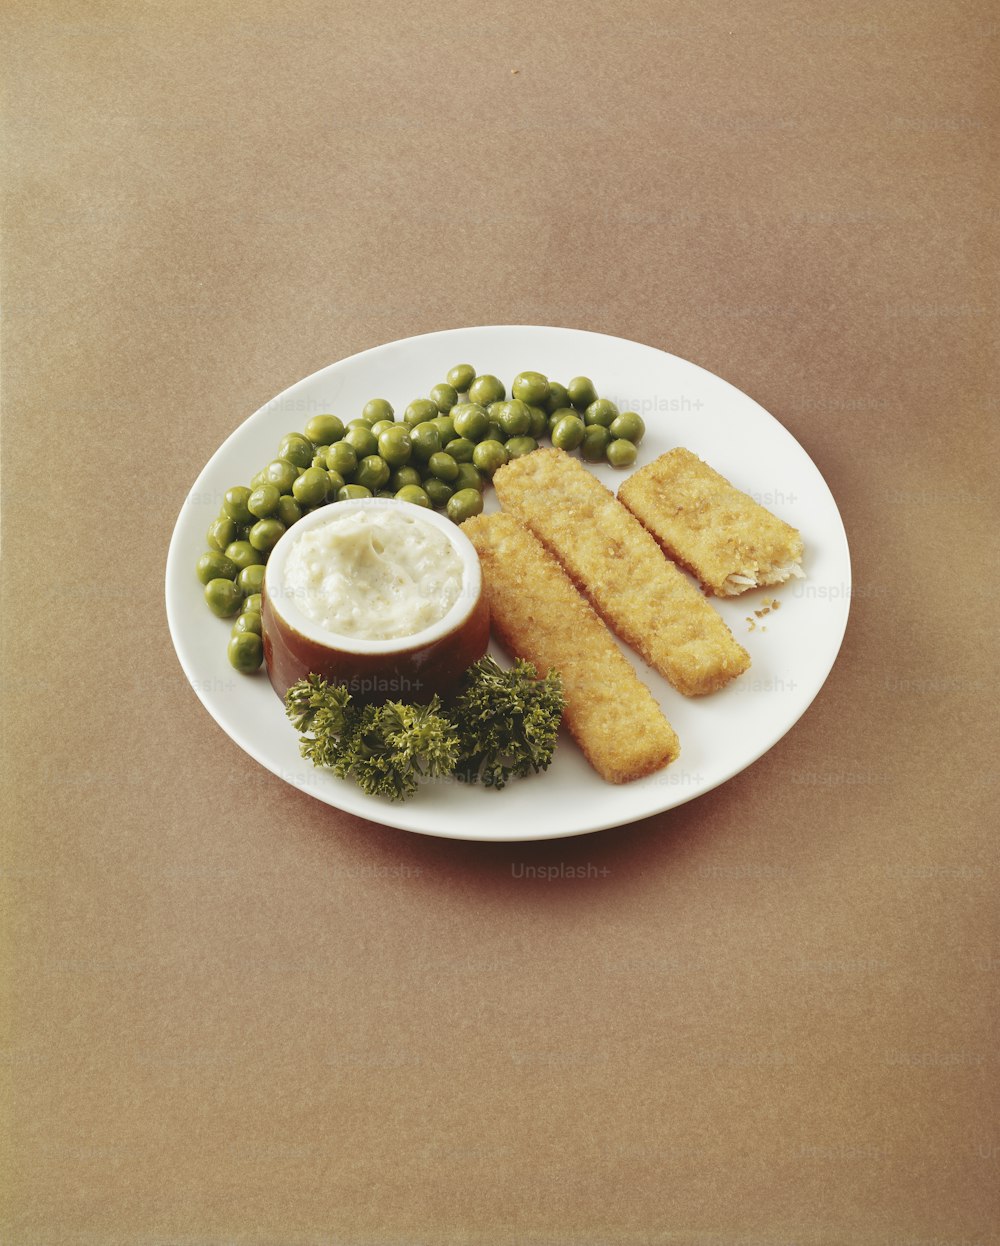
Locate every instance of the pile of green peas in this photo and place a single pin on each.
(441, 454)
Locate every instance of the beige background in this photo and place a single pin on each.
(239, 1016)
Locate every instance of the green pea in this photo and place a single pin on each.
(514, 418)
(253, 602)
(296, 449)
(214, 565)
(243, 554)
(312, 487)
(319, 458)
(289, 511)
(235, 504)
(266, 533)
(446, 427)
(248, 621)
(360, 421)
(350, 492)
(426, 440)
(438, 491)
(323, 430)
(373, 472)
(486, 389)
(414, 494)
(223, 597)
(282, 473)
(518, 446)
(385, 493)
(221, 532)
(444, 397)
(395, 446)
(558, 397)
(378, 409)
(620, 453)
(342, 458)
(602, 411)
(539, 422)
(560, 413)
(568, 432)
(334, 482)
(493, 411)
(362, 440)
(461, 449)
(264, 500)
(404, 476)
(464, 504)
(380, 426)
(419, 411)
(245, 652)
(251, 578)
(581, 392)
(489, 456)
(470, 420)
(531, 387)
(469, 477)
(443, 466)
(630, 426)
(461, 377)
(595, 442)
(494, 432)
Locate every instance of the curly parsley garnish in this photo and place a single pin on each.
(387, 749)
(501, 725)
(507, 722)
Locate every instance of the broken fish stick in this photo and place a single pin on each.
(725, 538)
(611, 557)
(538, 615)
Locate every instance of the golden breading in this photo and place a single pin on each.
(725, 538)
(539, 616)
(640, 594)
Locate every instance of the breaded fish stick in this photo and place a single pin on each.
(538, 615)
(725, 538)
(640, 594)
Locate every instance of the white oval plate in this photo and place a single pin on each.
(792, 650)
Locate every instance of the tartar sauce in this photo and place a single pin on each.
(373, 576)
